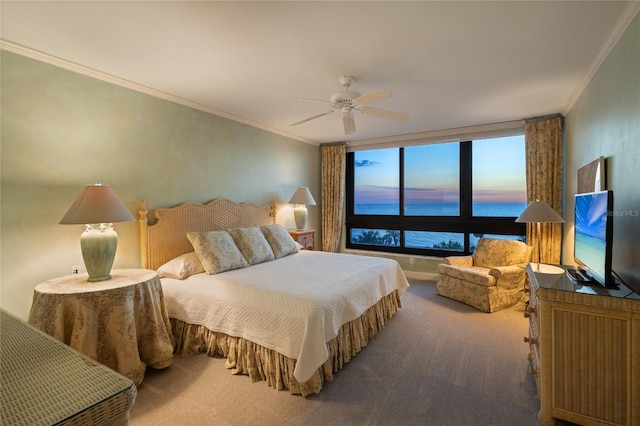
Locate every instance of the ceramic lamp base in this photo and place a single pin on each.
(98, 244)
(300, 216)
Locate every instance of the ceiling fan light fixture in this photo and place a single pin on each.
(344, 99)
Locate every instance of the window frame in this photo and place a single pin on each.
(465, 223)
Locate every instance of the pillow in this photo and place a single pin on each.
(217, 251)
(181, 267)
(279, 239)
(252, 244)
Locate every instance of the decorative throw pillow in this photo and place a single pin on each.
(181, 267)
(217, 251)
(279, 239)
(252, 244)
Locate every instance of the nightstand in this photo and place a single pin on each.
(304, 237)
(122, 323)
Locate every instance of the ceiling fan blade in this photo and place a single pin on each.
(391, 115)
(315, 100)
(311, 118)
(349, 123)
(378, 95)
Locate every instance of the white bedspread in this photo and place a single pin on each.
(292, 305)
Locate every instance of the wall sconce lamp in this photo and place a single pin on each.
(539, 212)
(301, 198)
(98, 207)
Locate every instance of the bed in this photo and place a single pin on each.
(287, 316)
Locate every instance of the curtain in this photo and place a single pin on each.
(333, 176)
(544, 145)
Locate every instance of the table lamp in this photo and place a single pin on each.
(301, 198)
(540, 212)
(97, 207)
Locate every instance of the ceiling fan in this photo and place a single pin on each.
(348, 101)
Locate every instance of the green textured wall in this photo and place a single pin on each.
(62, 130)
(605, 121)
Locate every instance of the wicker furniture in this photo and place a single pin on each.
(45, 382)
(584, 348)
(167, 238)
(491, 279)
(121, 323)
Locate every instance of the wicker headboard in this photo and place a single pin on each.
(167, 238)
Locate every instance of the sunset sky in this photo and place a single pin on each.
(431, 172)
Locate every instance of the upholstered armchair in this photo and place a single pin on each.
(490, 279)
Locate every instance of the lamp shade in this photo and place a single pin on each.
(302, 196)
(97, 207)
(539, 212)
(97, 204)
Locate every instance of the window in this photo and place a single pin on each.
(499, 186)
(384, 237)
(377, 176)
(436, 199)
(451, 241)
(432, 180)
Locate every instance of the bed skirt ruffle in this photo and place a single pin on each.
(260, 363)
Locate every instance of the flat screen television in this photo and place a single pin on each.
(593, 235)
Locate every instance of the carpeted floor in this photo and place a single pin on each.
(436, 362)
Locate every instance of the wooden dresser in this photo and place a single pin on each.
(304, 236)
(584, 350)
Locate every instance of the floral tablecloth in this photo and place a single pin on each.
(121, 323)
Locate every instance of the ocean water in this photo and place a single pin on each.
(442, 209)
(428, 239)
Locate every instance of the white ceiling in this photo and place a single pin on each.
(449, 64)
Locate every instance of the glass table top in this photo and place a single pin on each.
(556, 277)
